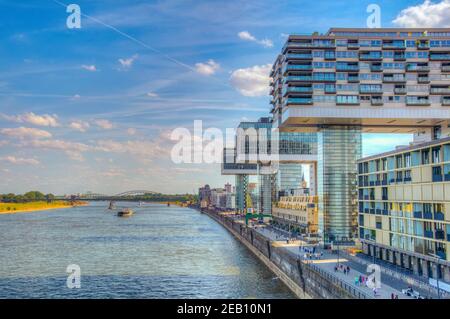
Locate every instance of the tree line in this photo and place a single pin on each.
(33, 196)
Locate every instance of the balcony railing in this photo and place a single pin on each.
(442, 57)
(419, 68)
(347, 67)
(300, 56)
(439, 216)
(400, 90)
(446, 101)
(392, 79)
(440, 90)
(437, 178)
(298, 78)
(299, 100)
(423, 79)
(297, 67)
(297, 89)
(421, 102)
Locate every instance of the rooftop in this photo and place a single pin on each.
(405, 149)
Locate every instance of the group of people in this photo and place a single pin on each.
(343, 268)
(310, 253)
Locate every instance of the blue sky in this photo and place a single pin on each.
(93, 108)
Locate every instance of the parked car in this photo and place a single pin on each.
(412, 293)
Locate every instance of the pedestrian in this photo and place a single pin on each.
(392, 296)
(348, 269)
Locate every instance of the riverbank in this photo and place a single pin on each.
(13, 208)
(303, 277)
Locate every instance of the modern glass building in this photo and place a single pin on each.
(351, 81)
(404, 207)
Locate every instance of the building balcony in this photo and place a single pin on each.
(417, 68)
(400, 90)
(376, 101)
(297, 89)
(376, 68)
(399, 57)
(418, 215)
(437, 178)
(298, 101)
(298, 78)
(385, 212)
(352, 45)
(445, 68)
(423, 79)
(446, 100)
(353, 79)
(440, 90)
(447, 177)
(297, 67)
(393, 45)
(371, 57)
(423, 46)
(407, 179)
(363, 90)
(394, 79)
(440, 57)
(418, 102)
(345, 68)
(299, 56)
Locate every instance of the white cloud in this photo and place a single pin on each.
(427, 14)
(152, 94)
(19, 160)
(90, 68)
(31, 118)
(131, 131)
(145, 149)
(104, 124)
(247, 36)
(253, 81)
(127, 63)
(79, 126)
(22, 132)
(208, 68)
(72, 149)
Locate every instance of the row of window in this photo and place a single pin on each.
(432, 155)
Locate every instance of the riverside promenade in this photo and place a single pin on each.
(327, 262)
(307, 278)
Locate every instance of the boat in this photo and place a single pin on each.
(125, 212)
(168, 204)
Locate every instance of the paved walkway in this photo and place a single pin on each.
(329, 260)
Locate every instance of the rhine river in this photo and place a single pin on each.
(159, 252)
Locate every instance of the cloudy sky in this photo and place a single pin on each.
(94, 108)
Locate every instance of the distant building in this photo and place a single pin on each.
(296, 214)
(204, 194)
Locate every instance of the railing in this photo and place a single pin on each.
(306, 56)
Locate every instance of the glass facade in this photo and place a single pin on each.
(241, 192)
(339, 148)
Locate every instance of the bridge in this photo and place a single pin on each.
(91, 195)
(135, 193)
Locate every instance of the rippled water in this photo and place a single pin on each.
(159, 252)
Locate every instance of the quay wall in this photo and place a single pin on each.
(306, 281)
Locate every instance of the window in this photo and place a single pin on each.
(347, 99)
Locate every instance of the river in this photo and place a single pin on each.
(159, 252)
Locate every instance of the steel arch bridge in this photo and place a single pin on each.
(135, 193)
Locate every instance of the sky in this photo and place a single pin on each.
(94, 108)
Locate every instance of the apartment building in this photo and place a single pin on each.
(296, 214)
(404, 207)
(352, 81)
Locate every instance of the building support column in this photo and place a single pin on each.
(339, 148)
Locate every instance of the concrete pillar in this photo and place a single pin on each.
(339, 147)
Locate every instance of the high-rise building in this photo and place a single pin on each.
(351, 81)
(404, 207)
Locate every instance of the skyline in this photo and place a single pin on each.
(92, 109)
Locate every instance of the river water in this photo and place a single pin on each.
(159, 252)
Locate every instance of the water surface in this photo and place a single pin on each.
(159, 252)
